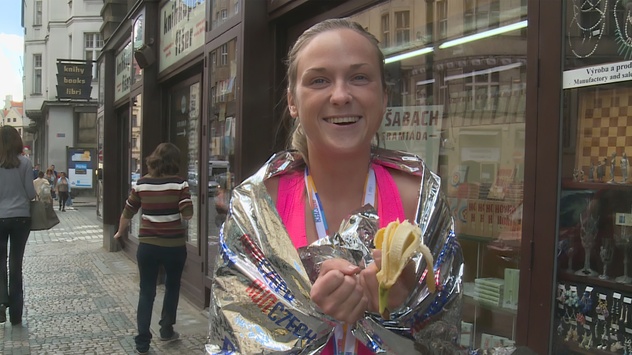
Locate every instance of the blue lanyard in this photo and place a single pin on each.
(322, 228)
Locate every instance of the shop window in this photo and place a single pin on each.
(135, 154)
(86, 129)
(466, 97)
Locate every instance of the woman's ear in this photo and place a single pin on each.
(291, 105)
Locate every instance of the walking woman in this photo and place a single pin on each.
(16, 190)
(165, 201)
(63, 190)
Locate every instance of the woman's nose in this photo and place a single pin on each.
(340, 94)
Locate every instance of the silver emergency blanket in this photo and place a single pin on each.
(260, 298)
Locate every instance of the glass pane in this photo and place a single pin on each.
(458, 102)
(222, 10)
(594, 293)
(184, 127)
(135, 157)
(222, 121)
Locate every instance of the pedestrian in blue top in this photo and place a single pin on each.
(16, 190)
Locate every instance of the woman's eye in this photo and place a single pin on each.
(318, 81)
(360, 77)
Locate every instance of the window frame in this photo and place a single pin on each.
(37, 74)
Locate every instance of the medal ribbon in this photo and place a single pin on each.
(345, 343)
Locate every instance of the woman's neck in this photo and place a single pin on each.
(340, 177)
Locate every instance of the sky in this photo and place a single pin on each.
(11, 50)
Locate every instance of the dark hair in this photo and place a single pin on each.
(11, 147)
(298, 140)
(40, 174)
(164, 160)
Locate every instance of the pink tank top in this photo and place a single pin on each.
(291, 207)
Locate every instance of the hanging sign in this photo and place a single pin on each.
(74, 79)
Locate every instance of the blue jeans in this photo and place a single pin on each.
(149, 258)
(15, 232)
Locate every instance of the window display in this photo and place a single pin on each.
(594, 287)
(458, 100)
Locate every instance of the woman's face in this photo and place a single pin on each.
(339, 95)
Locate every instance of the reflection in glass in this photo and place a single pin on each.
(222, 125)
(135, 158)
(457, 93)
(138, 42)
(222, 10)
(184, 127)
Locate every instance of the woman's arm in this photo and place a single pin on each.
(122, 229)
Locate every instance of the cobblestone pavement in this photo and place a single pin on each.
(81, 299)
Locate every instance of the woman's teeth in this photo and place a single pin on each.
(342, 120)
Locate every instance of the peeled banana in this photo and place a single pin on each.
(399, 242)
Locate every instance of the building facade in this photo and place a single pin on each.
(475, 88)
(61, 41)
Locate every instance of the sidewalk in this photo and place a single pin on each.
(81, 299)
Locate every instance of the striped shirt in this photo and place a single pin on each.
(164, 201)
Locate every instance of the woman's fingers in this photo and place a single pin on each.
(338, 291)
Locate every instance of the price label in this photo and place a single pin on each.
(602, 296)
(600, 317)
(627, 300)
(588, 319)
(588, 289)
(628, 330)
(573, 288)
(616, 295)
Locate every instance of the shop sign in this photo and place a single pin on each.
(182, 29)
(74, 79)
(415, 129)
(123, 78)
(80, 167)
(598, 74)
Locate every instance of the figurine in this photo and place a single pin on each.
(591, 173)
(624, 168)
(613, 162)
(575, 175)
(581, 175)
(601, 170)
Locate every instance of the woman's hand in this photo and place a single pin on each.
(400, 290)
(337, 291)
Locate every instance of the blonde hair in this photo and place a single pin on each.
(297, 139)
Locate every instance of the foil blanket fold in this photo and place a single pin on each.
(260, 298)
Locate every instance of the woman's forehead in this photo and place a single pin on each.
(338, 42)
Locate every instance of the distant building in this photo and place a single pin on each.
(60, 116)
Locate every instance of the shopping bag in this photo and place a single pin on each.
(43, 217)
(69, 201)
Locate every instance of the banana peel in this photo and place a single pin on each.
(399, 242)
